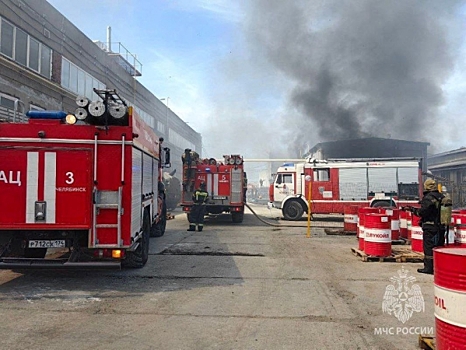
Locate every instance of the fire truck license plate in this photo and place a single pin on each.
(58, 243)
(219, 197)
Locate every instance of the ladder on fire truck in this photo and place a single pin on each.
(107, 200)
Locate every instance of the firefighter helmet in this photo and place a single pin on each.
(430, 185)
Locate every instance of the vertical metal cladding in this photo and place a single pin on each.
(416, 235)
(378, 236)
(403, 224)
(361, 229)
(450, 297)
(394, 214)
(351, 218)
(460, 229)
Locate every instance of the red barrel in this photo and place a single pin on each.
(403, 224)
(361, 212)
(351, 218)
(409, 222)
(416, 235)
(452, 228)
(377, 235)
(394, 214)
(460, 232)
(450, 297)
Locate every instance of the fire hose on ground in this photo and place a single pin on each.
(277, 225)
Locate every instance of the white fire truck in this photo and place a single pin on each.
(84, 186)
(331, 185)
(225, 182)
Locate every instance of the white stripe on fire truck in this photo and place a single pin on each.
(215, 185)
(32, 184)
(209, 182)
(50, 184)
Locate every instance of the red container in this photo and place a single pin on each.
(452, 228)
(361, 212)
(351, 218)
(460, 229)
(394, 214)
(403, 224)
(450, 297)
(416, 235)
(409, 222)
(378, 235)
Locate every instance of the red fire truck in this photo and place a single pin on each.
(84, 186)
(226, 183)
(331, 185)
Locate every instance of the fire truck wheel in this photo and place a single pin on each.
(237, 217)
(293, 210)
(139, 257)
(158, 229)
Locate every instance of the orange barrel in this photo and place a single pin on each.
(409, 223)
(377, 235)
(361, 212)
(394, 214)
(460, 234)
(417, 244)
(450, 297)
(351, 218)
(403, 224)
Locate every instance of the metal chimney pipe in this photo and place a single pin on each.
(109, 38)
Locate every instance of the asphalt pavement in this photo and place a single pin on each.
(233, 286)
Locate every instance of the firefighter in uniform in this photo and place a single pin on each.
(433, 230)
(196, 217)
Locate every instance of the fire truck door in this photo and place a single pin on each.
(284, 186)
(322, 192)
(45, 186)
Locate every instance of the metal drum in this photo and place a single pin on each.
(416, 235)
(394, 214)
(378, 235)
(403, 224)
(351, 218)
(409, 222)
(361, 212)
(450, 297)
(452, 228)
(460, 229)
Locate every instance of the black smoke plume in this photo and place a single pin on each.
(359, 68)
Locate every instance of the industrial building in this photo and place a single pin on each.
(371, 147)
(449, 169)
(46, 62)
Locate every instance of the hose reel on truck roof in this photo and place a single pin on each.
(111, 110)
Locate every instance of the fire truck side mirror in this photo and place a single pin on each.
(166, 163)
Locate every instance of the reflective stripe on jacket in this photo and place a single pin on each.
(200, 196)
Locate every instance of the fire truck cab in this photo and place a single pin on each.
(326, 187)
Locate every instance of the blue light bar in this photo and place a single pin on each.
(46, 114)
(288, 164)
